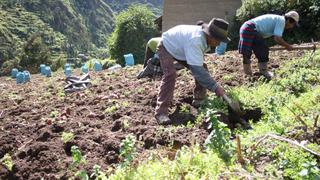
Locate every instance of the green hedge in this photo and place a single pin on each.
(133, 29)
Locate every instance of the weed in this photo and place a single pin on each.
(215, 104)
(77, 156)
(97, 173)
(7, 161)
(95, 82)
(47, 94)
(310, 170)
(218, 140)
(125, 104)
(190, 124)
(61, 94)
(185, 108)
(82, 175)
(292, 160)
(54, 114)
(141, 90)
(126, 93)
(112, 109)
(199, 118)
(127, 149)
(67, 137)
(227, 77)
(126, 124)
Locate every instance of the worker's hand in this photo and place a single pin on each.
(219, 91)
(289, 48)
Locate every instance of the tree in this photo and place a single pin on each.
(35, 53)
(133, 29)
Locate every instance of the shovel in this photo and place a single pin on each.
(234, 105)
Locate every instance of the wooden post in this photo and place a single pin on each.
(240, 158)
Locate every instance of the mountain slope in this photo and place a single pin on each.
(66, 27)
(156, 6)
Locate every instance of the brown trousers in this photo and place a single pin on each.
(165, 95)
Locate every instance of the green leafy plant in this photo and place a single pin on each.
(126, 124)
(215, 104)
(218, 140)
(127, 149)
(67, 137)
(54, 114)
(97, 173)
(112, 109)
(77, 156)
(82, 175)
(125, 104)
(311, 170)
(295, 163)
(7, 161)
(227, 77)
(184, 108)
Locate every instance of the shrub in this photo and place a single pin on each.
(108, 63)
(133, 29)
(35, 53)
(309, 11)
(8, 66)
(59, 62)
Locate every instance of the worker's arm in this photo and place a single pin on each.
(205, 80)
(283, 43)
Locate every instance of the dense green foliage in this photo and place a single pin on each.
(133, 29)
(119, 5)
(65, 28)
(17, 28)
(218, 140)
(84, 23)
(309, 11)
(284, 109)
(35, 53)
(38, 31)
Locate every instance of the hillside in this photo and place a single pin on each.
(65, 27)
(113, 120)
(155, 5)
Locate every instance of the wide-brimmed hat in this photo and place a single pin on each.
(293, 15)
(218, 29)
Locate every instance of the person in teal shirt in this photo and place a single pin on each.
(252, 35)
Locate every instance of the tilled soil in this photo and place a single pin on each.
(34, 115)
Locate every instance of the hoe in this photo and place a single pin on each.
(307, 47)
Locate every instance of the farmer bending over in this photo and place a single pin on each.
(252, 35)
(151, 49)
(187, 44)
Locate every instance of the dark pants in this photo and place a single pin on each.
(260, 50)
(251, 40)
(147, 55)
(165, 95)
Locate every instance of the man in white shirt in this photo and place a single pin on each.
(187, 45)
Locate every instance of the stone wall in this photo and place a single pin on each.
(177, 12)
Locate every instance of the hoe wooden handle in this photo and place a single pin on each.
(294, 48)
